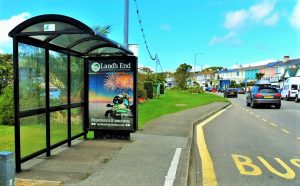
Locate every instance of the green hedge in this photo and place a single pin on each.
(148, 86)
(162, 88)
(6, 106)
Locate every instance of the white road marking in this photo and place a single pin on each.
(273, 124)
(286, 131)
(171, 175)
(264, 119)
(257, 116)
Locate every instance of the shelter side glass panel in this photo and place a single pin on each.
(32, 134)
(77, 80)
(77, 120)
(58, 126)
(112, 93)
(31, 77)
(58, 87)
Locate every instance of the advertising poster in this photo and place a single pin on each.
(112, 94)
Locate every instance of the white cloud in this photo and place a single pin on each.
(223, 39)
(7, 25)
(235, 19)
(271, 21)
(262, 10)
(295, 17)
(262, 13)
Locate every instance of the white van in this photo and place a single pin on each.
(290, 88)
(297, 98)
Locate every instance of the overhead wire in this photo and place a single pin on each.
(144, 37)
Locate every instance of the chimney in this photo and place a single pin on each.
(286, 58)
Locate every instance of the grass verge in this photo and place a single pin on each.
(33, 136)
(173, 101)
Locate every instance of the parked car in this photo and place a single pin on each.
(208, 89)
(297, 97)
(290, 88)
(262, 95)
(230, 92)
(241, 90)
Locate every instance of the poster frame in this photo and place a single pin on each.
(134, 63)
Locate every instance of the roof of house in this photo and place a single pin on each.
(290, 62)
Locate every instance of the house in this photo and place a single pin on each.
(297, 74)
(205, 77)
(250, 72)
(269, 70)
(237, 75)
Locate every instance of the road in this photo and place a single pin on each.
(245, 146)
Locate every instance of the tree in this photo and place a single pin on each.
(103, 29)
(258, 76)
(182, 74)
(6, 71)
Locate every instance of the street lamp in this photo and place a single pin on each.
(195, 62)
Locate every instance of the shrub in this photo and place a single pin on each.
(148, 86)
(162, 88)
(6, 106)
(196, 89)
(142, 92)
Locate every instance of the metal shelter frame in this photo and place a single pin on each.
(67, 36)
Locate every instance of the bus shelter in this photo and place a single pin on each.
(52, 55)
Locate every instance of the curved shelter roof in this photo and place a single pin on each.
(66, 34)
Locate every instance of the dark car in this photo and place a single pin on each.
(263, 96)
(230, 92)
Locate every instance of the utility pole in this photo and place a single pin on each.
(126, 20)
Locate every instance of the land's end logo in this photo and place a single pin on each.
(95, 67)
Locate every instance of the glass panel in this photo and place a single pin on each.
(32, 134)
(65, 40)
(58, 126)
(41, 38)
(58, 64)
(106, 50)
(82, 47)
(50, 26)
(77, 79)
(32, 77)
(77, 120)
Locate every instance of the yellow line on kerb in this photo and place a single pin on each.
(208, 171)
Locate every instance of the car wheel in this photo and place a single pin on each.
(278, 106)
(296, 99)
(253, 105)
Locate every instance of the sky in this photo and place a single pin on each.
(224, 33)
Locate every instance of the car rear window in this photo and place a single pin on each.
(294, 87)
(267, 90)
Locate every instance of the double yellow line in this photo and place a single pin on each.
(208, 171)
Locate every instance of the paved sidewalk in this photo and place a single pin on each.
(144, 160)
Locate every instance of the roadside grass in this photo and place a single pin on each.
(7, 138)
(33, 135)
(173, 101)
